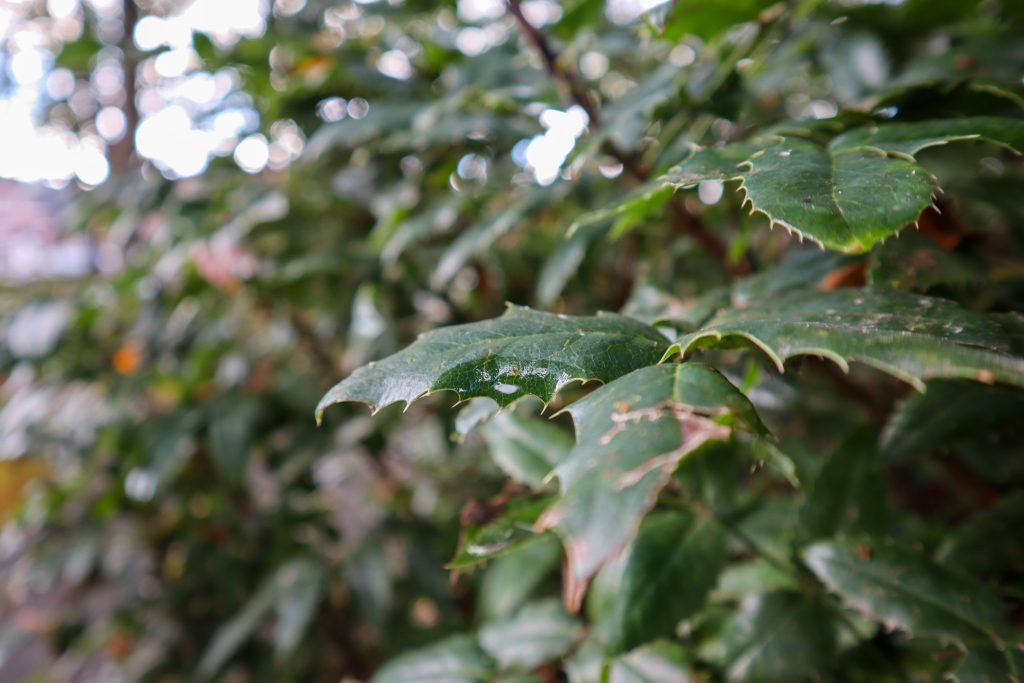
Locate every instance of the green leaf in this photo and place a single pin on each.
(907, 139)
(661, 662)
(510, 530)
(562, 265)
(989, 544)
(918, 263)
(849, 491)
(455, 660)
(510, 579)
(631, 435)
(526, 448)
(293, 591)
(709, 18)
(903, 589)
(781, 636)
(951, 414)
(628, 210)
(672, 567)
(481, 235)
(538, 633)
(715, 163)
(914, 338)
(522, 352)
(990, 665)
(845, 200)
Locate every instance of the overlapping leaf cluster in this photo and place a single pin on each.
(752, 459)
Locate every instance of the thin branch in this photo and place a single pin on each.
(572, 89)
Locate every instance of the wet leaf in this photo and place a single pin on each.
(522, 352)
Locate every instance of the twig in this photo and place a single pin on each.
(572, 89)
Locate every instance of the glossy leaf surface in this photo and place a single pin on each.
(522, 352)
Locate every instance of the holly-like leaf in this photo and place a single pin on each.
(522, 352)
(907, 139)
(903, 589)
(672, 567)
(846, 200)
(456, 660)
(539, 632)
(914, 338)
(631, 435)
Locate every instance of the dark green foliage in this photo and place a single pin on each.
(775, 462)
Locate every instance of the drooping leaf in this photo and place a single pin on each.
(903, 589)
(522, 352)
(456, 660)
(780, 636)
(539, 632)
(631, 435)
(526, 448)
(913, 338)
(673, 565)
(907, 139)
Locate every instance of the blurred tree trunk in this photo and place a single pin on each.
(122, 153)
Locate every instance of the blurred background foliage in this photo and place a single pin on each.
(264, 203)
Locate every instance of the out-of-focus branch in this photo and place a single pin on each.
(121, 154)
(575, 91)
